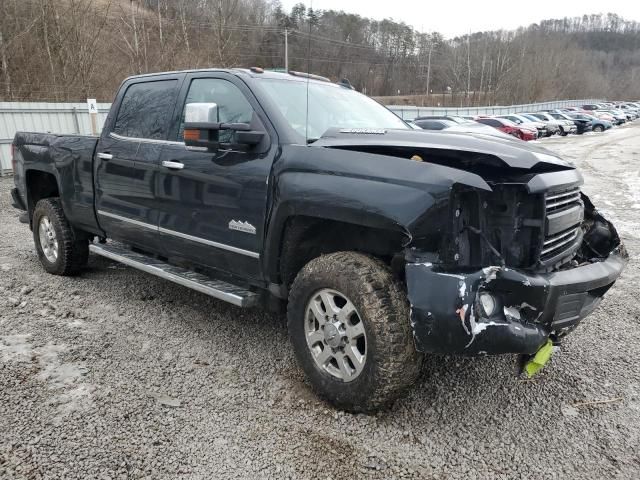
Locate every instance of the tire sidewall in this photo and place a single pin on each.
(43, 209)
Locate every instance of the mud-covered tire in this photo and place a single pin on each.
(71, 251)
(392, 362)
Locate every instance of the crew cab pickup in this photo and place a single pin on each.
(284, 189)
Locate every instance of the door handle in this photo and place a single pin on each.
(105, 156)
(172, 165)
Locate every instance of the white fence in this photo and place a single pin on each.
(74, 118)
(43, 117)
(411, 112)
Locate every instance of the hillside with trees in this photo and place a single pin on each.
(68, 50)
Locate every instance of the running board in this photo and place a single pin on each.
(182, 276)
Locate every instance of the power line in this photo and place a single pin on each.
(331, 40)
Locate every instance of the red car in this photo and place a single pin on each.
(510, 128)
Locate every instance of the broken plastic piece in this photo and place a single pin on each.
(539, 360)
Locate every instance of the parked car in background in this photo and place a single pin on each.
(582, 125)
(630, 107)
(619, 118)
(597, 124)
(524, 121)
(553, 126)
(604, 116)
(434, 123)
(566, 126)
(470, 127)
(592, 106)
(573, 109)
(451, 118)
(510, 128)
(630, 112)
(625, 106)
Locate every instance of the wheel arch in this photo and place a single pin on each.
(299, 238)
(39, 184)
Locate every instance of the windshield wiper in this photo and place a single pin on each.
(311, 140)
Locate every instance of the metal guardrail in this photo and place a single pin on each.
(411, 112)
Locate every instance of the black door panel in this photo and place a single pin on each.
(206, 200)
(124, 189)
(213, 208)
(126, 164)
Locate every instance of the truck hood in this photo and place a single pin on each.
(512, 153)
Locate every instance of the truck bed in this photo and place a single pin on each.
(66, 158)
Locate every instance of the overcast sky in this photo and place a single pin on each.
(456, 17)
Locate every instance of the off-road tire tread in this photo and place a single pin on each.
(74, 251)
(387, 309)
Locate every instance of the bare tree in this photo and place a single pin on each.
(53, 49)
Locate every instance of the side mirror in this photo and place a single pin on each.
(202, 129)
(201, 113)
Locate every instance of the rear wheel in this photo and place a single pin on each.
(59, 250)
(349, 324)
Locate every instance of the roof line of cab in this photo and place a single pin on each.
(252, 72)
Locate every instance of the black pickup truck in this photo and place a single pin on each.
(284, 189)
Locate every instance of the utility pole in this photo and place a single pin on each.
(429, 67)
(468, 65)
(286, 50)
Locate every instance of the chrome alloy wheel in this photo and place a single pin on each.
(48, 239)
(335, 335)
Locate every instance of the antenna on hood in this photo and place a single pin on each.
(306, 123)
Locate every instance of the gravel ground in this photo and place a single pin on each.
(117, 374)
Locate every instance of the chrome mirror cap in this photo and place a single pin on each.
(201, 113)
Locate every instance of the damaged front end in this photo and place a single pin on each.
(504, 252)
(550, 260)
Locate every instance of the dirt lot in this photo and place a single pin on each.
(117, 374)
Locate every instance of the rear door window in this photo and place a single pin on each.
(145, 110)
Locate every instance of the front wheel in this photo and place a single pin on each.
(598, 128)
(349, 324)
(59, 250)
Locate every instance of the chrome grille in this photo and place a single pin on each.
(556, 203)
(559, 201)
(556, 242)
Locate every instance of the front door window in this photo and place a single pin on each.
(233, 107)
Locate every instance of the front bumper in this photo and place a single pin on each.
(446, 315)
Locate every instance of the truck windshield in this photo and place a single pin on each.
(330, 106)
